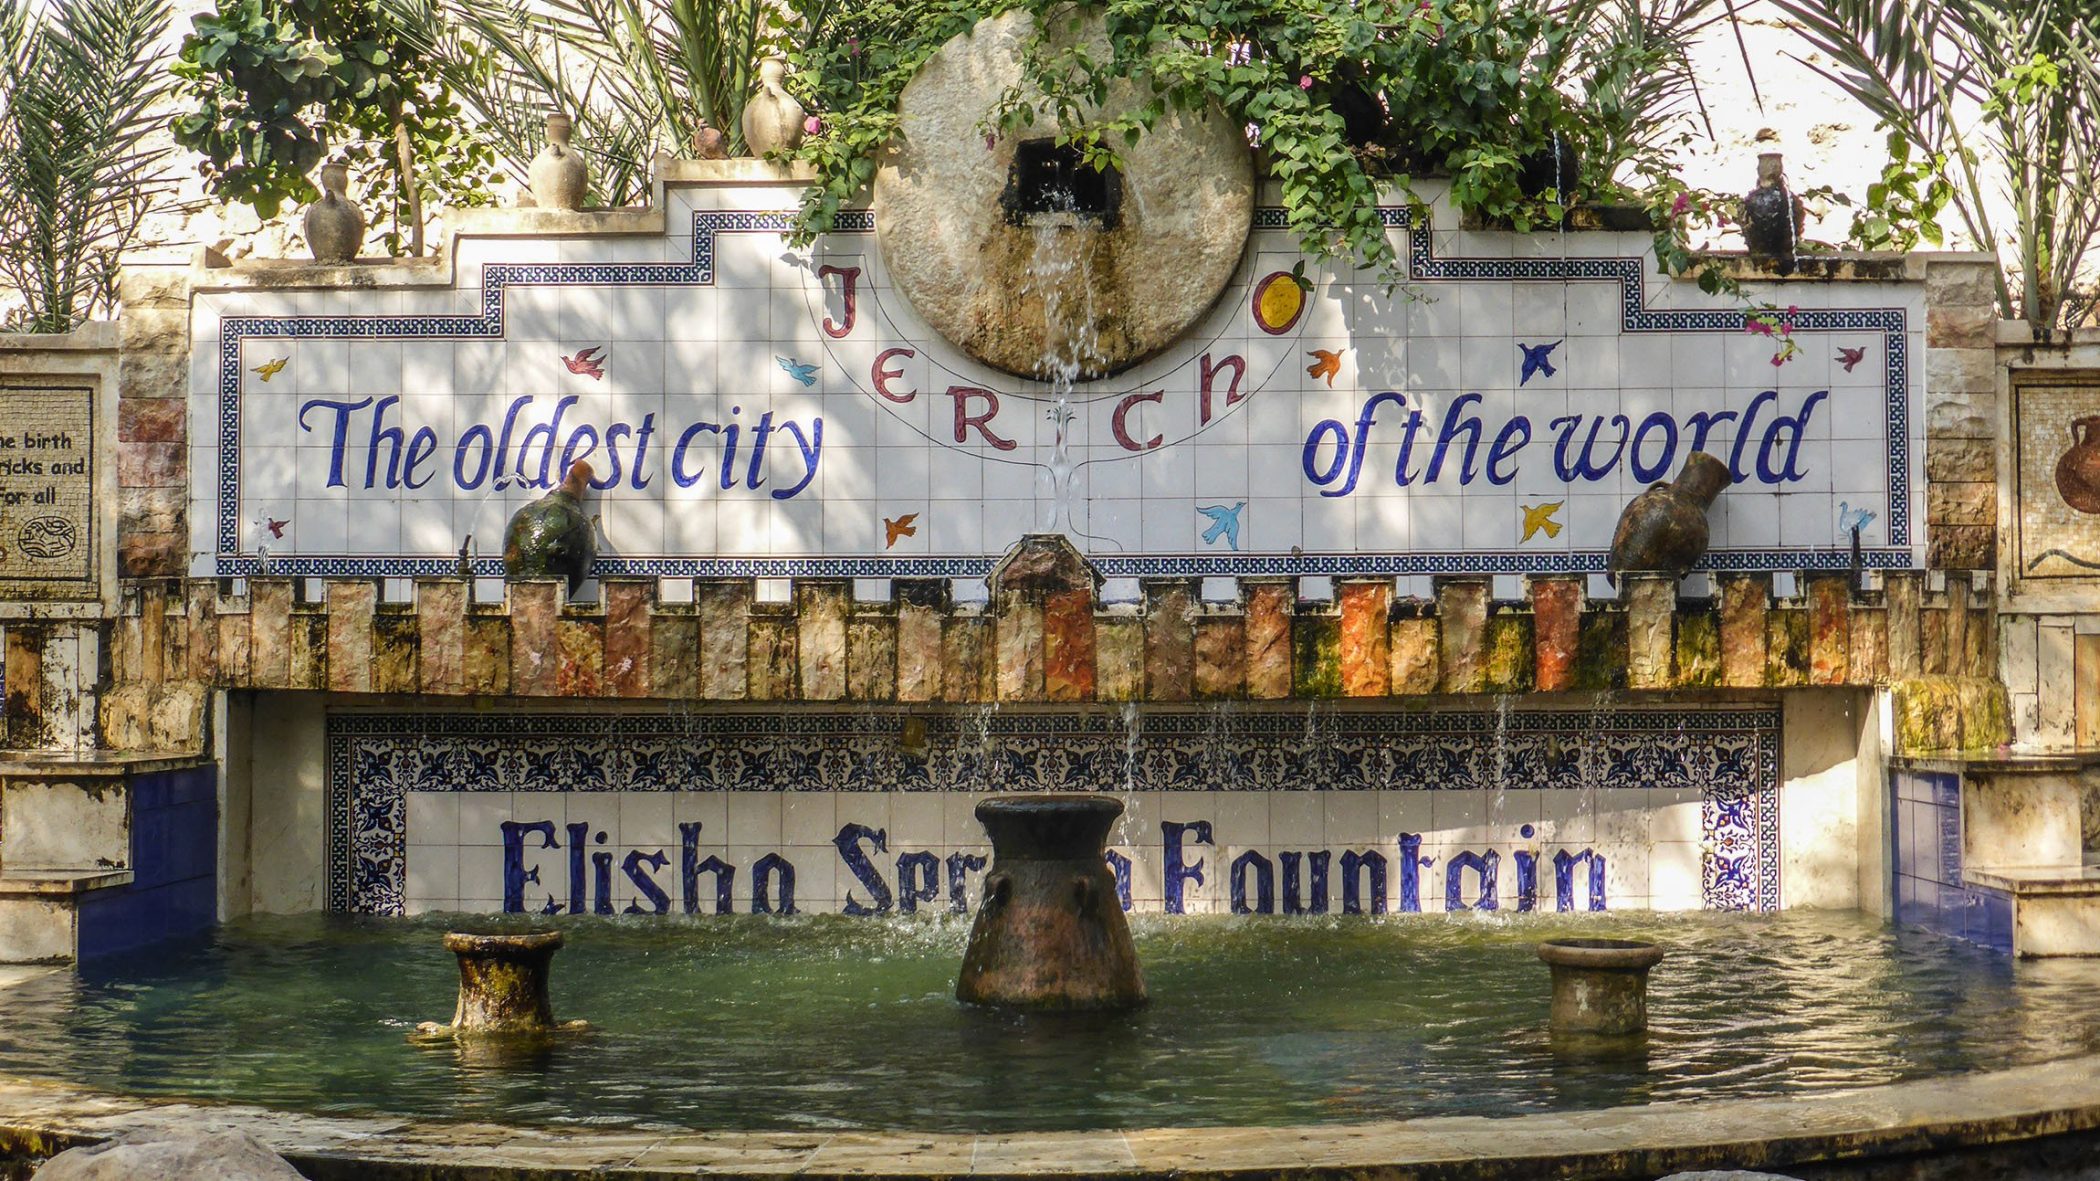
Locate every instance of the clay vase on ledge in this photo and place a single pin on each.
(1664, 529)
(1050, 934)
(772, 117)
(335, 226)
(558, 176)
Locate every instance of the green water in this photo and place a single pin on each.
(848, 1023)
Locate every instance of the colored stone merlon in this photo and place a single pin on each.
(1039, 639)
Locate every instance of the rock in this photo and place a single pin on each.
(167, 1153)
(960, 227)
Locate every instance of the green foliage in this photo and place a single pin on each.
(639, 77)
(1479, 90)
(1981, 87)
(1903, 208)
(77, 171)
(275, 86)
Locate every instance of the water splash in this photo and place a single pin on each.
(1058, 267)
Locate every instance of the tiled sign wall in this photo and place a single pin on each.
(755, 411)
(870, 812)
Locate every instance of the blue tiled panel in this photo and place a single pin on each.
(1925, 840)
(174, 860)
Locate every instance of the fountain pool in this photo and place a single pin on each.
(831, 1023)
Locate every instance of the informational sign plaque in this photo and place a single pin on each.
(47, 503)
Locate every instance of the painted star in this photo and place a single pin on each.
(1328, 364)
(806, 374)
(1224, 522)
(270, 369)
(1540, 516)
(1535, 359)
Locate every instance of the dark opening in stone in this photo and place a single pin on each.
(1048, 178)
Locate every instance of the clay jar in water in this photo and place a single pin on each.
(2078, 472)
(1050, 934)
(1664, 530)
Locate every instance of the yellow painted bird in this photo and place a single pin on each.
(270, 369)
(1328, 364)
(1540, 516)
(894, 528)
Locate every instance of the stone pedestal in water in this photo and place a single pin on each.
(503, 984)
(1600, 986)
(1050, 934)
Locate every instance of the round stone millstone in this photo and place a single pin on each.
(1119, 287)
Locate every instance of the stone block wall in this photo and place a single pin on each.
(1053, 641)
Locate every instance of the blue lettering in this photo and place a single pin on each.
(765, 873)
(1454, 879)
(918, 880)
(1264, 884)
(1316, 902)
(510, 419)
(1453, 427)
(690, 867)
(1564, 879)
(1356, 866)
(1512, 438)
(659, 902)
(1795, 427)
(1585, 466)
(848, 843)
(960, 867)
(1341, 455)
(337, 438)
(459, 457)
(515, 874)
(1648, 473)
(1119, 866)
(809, 448)
(1412, 863)
(679, 475)
(1178, 872)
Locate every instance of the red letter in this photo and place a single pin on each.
(1117, 422)
(882, 376)
(1237, 364)
(964, 419)
(835, 331)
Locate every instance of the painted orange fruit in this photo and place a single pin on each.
(1279, 300)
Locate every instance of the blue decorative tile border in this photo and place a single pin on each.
(1729, 756)
(1423, 267)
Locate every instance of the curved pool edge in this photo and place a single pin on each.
(1974, 1111)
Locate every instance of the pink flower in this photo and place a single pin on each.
(1305, 81)
(1777, 360)
(1682, 203)
(990, 143)
(812, 125)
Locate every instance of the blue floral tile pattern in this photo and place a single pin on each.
(1728, 757)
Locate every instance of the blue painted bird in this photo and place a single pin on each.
(806, 374)
(1225, 523)
(1535, 359)
(1853, 520)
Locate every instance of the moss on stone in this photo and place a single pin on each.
(1698, 649)
(1316, 656)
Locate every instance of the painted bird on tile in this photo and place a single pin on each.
(275, 526)
(1853, 520)
(896, 527)
(1850, 357)
(1328, 364)
(1535, 359)
(589, 362)
(1540, 516)
(270, 369)
(1224, 522)
(806, 374)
